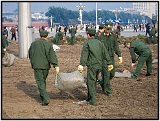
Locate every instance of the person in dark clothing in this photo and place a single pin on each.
(145, 55)
(95, 56)
(13, 31)
(42, 55)
(148, 29)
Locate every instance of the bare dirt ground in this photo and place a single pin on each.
(132, 99)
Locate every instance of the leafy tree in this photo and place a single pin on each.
(65, 16)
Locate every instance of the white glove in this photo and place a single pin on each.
(57, 69)
(4, 49)
(80, 68)
(133, 64)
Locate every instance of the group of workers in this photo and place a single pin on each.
(62, 31)
(97, 54)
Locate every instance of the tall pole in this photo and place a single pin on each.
(80, 12)
(51, 21)
(96, 15)
(24, 28)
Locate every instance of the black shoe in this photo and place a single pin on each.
(94, 104)
(108, 94)
(45, 103)
(148, 74)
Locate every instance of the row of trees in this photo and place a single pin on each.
(65, 16)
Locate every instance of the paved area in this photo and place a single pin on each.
(125, 33)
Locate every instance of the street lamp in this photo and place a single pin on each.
(116, 13)
(80, 12)
(51, 21)
(97, 14)
(100, 20)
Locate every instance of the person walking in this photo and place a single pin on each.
(147, 29)
(93, 55)
(4, 39)
(100, 35)
(58, 38)
(72, 31)
(145, 55)
(13, 32)
(42, 55)
(4, 30)
(152, 35)
(112, 47)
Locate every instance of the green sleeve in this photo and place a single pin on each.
(29, 52)
(133, 56)
(84, 54)
(75, 31)
(106, 55)
(116, 47)
(3, 41)
(96, 35)
(52, 57)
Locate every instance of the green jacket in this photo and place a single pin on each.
(94, 54)
(111, 44)
(153, 32)
(3, 41)
(72, 31)
(59, 35)
(3, 45)
(139, 48)
(41, 55)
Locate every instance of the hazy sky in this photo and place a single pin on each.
(43, 6)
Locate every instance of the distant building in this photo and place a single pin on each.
(10, 15)
(39, 16)
(146, 8)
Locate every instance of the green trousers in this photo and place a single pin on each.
(105, 82)
(142, 59)
(40, 77)
(106, 77)
(92, 75)
(72, 41)
(112, 72)
(57, 41)
(153, 39)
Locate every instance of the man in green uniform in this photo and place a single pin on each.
(111, 45)
(144, 53)
(58, 38)
(4, 39)
(41, 55)
(152, 35)
(72, 31)
(100, 35)
(95, 57)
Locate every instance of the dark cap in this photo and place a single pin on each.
(126, 42)
(91, 31)
(109, 27)
(101, 26)
(43, 33)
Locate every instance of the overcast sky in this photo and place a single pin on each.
(43, 6)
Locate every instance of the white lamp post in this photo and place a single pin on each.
(80, 12)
